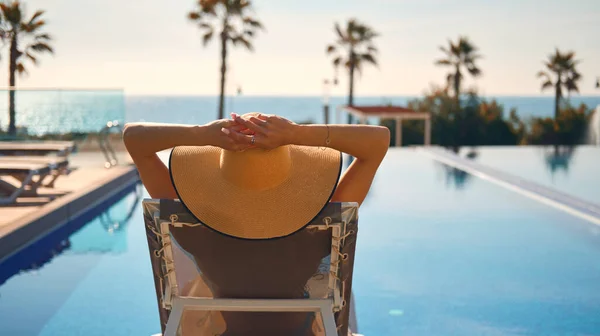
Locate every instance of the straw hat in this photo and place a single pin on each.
(255, 194)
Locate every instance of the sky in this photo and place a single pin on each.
(149, 47)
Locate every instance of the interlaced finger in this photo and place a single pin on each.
(259, 122)
(251, 125)
(240, 138)
(241, 128)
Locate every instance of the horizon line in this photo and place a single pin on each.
(597, 95)
(282, 95)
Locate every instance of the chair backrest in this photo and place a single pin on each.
(190, 259)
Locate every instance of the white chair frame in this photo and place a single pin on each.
(171, 300)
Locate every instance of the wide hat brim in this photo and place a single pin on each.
(250, 214)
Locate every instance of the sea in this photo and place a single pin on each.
(66, 111)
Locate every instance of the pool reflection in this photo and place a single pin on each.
(78, 237)
(558, 158)
(454, 177)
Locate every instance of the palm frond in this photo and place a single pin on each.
(241, 40)
(337, 61)
(338, 30)
(571, 86)
(4, 9)
(347, 64)
(544, 74)
(547, 84)
(474, 71)
(204, 25)
(41, 47)
(35, 16)
(21, 69)
(454, 48)
(367, 58)
(43, 37)
(571, 82)
(209, 6)
(193, 16)
(253, 23)
(471, 58)
(207, 37)
(443, 62)
(372, 48)
(12, 13)
(358, 67)
(240, 5)
(32, 58)
(32, 27)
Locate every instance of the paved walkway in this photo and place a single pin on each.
(89, 175)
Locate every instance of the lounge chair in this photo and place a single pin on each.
(60, 148)
(29, 174)
(58, 165)
(211, 284)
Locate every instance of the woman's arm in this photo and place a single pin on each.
(144, 140)
(368, 144)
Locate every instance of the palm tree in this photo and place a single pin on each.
(461, 55)
(357, 40)
(15, 29)
(232, 20)
(562, 65)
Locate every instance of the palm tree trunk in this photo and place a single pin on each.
(223, 73)
(12, 69)
(351, 89)
(557, 97)
(457, 85)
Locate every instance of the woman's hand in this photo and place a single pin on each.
(269, 131)
(217, 133)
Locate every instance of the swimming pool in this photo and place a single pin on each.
(443, 253)
(572, 170)
(439, 253)
(98, 282)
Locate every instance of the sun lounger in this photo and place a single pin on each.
(208, 283)
(25, 173)
(60, 148)
(59, 166)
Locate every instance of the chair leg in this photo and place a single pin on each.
(14, 191)
(174, 318)
(33, 185)
(55, 175)
(328, 319)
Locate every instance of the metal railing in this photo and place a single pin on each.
(105, 144)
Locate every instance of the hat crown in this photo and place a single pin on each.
(256, 169)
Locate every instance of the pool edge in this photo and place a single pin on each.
(559, 200)
(29, 229)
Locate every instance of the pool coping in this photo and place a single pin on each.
(30, 228)
(568, 203)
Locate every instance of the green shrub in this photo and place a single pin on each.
(568, 129)
(475, 122)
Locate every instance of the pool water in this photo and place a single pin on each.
(99, 284)
(443, 253)
(574, 170)
(439, 252)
